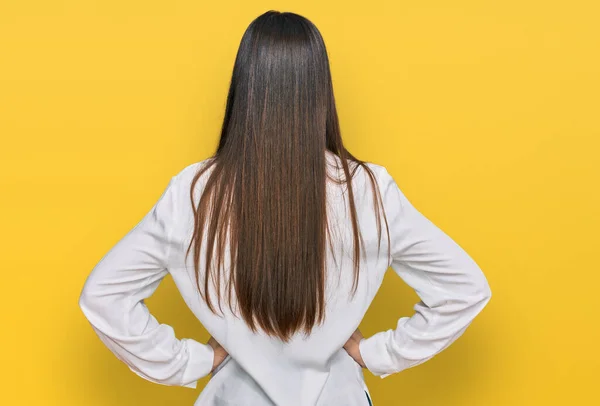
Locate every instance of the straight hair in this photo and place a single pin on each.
(265, 197)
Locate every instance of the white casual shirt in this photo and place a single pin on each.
(306, 371)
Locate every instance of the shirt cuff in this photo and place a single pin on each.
(374, 353)
(200, 362)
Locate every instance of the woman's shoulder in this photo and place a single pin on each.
(189, 170)
(380, 172)
(181, 181)
(376, 167)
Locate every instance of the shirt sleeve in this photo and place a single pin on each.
(113, 296)
(451, 286)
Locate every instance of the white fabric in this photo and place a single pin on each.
(260, 370)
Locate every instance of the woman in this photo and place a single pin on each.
(278, 244)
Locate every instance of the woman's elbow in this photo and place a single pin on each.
(86, 303)
(487, 292)
(90, 302)
(483, 290)
(478, 288)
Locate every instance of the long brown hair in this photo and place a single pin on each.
(266, 193)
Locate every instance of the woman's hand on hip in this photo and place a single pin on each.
(220, 353)
(352, 349)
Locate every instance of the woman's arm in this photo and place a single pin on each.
(113, 301)
(452, 289)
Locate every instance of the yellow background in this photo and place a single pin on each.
(485, 112)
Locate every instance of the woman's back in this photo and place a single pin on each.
(313, 370)
(307, 370)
